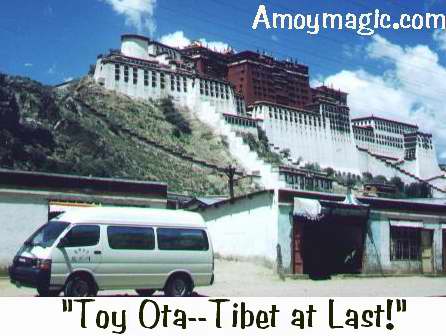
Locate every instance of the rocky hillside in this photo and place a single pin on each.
(85, 130)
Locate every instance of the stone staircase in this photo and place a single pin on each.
(248, 159)
(396, 166)
(289, 160)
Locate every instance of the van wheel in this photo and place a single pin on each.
(79, 286)
(145, 292)
(48, 293)
(178, 286)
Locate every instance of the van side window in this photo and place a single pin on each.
(82, 235)
(182, 239)
(131, 238)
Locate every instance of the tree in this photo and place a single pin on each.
(313, 167)
(398, 183)
(418, 190)
(329, 171)
(367, 177)
(286, 152)
(380, 179)
(263, 138)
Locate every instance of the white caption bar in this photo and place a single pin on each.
(218, 316)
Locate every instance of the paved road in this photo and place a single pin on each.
(246, 279)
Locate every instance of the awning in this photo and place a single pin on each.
(308, 208)
(405, 223)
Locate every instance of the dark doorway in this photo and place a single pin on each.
(332, 245)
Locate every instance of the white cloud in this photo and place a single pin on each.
(179, 40)
(28, 65)
(412, 90)
(440, 37)
(68, 79)
(138, 13)
(215, 45)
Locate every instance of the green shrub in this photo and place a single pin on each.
(174, 117)
(261, 147)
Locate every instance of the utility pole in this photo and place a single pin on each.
(230, 173)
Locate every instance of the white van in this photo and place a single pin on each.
(86, 250)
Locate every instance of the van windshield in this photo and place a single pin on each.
(47, 234)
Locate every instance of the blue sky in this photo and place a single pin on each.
(61, 38)
(396, 74)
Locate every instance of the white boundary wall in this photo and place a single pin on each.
(20, 217)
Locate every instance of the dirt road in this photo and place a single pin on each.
(246, 279)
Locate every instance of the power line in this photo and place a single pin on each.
(358, 4)
(324, 57)
(245, 42)
(384, 112)
(313, 54)
(316, 64)
(337, 61)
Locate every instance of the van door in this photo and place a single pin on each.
(186, 250)
(129, 258)
(81, 249)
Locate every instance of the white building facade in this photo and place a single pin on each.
(145, 69)
(321, 133)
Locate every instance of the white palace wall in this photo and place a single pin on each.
(185, 89)
(311, 141)
(200, 97)
(427, 164)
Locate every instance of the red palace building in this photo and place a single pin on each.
(257, 77)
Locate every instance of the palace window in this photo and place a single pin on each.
(117, 72)
(212, 85)
(126, 74)
(154, 78)
(135, 76)
(405, 243)
(162, 80)
(178, 84)
(172, 83)
(146, 78)
(185, 84)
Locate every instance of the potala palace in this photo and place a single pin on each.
(249, 92)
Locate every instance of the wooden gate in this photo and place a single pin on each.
(298, 266)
